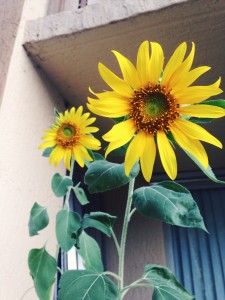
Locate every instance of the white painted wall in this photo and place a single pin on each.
(25, 177)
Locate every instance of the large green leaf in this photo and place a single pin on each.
(90, 252)
(43, 268)
(207, 171)
(99, 220)
(169, 202)
(38, 219)
(67, 222)
(80, 194)
(86, 285)
(166, 287)
(102, 176)
(60, 184)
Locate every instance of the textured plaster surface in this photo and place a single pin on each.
(10, 12)
(25, 176)
(91, 16)
(68, 47)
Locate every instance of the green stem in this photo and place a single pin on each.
(132, 212)
(124, 235)
(112, 274)
(115, 241)
(66, 203)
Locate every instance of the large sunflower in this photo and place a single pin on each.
(157, 101)
(70, 136)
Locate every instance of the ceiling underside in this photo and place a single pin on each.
(70, 60)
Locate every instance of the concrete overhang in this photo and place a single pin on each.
(68, 46)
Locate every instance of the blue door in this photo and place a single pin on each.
(198, 258)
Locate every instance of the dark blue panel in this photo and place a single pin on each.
(198, 257)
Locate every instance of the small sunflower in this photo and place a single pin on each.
(70, 136)
(156, 101)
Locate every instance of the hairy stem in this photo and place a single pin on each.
(66, 202)
(124, 235)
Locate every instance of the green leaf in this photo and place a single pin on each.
(43, 268)
(207, 171)
(102, 176)
(38, 219)
(80, 194)
(56, 112)
(97, 156)
(201, 120)
(60, 184)
(120, 119)
(67, 222)
(90, 252)
(219, 102)
(86, 285)
(48, 151)
(99, 220)
(169, 202)
(166, 287)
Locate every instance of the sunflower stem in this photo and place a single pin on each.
(124, 236)
(66, 202)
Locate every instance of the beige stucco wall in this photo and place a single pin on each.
(26, 110)
(10, 12)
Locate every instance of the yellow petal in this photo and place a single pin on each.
(167, 155)
(56, 156)
(196, 94)
(85, 116)
(188, 78)
(84, 153)
(202, 111)
(47, 144)
(182, 70)
(156, 63)
(106, 95)
(119, 135)
(134, 151)
(90, 142)
(191, 145)
(197, 132)
(143, 63)
(90, 129)
(111, 103)
(88, 121)
(116, 83)
(78, 156)
(79, 111)
(120, 130)
(106, 113)
(128, 70)
(147, 158)
(48, 138)
(174, 62)
(67, 158)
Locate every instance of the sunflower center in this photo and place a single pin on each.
(68, 131)
(68, 135)
(153, 108)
